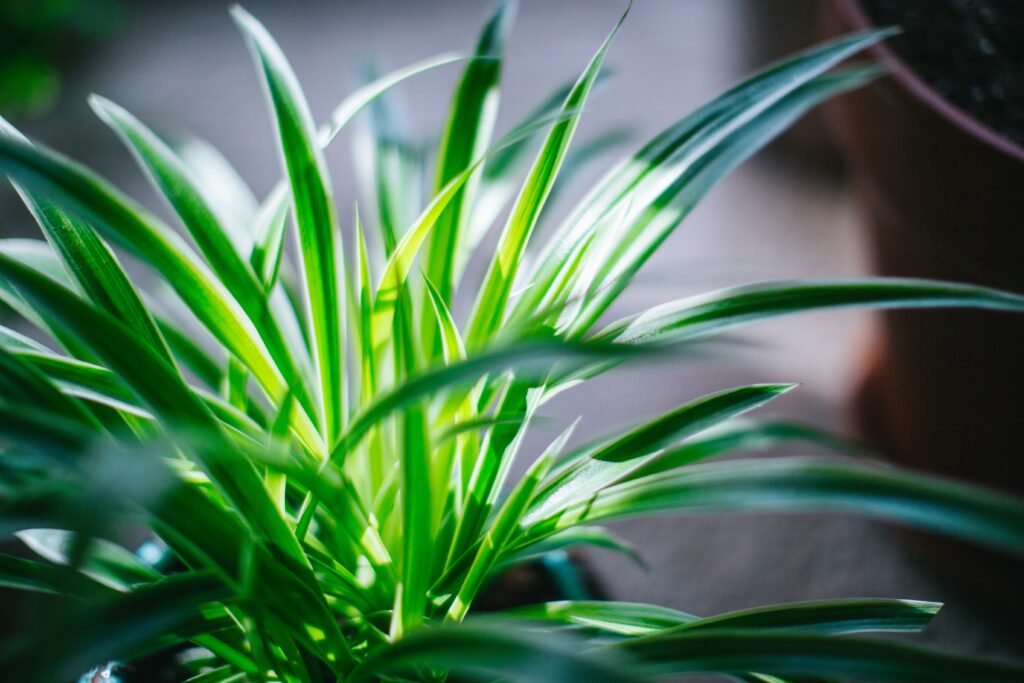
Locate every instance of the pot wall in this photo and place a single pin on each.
(944, 391)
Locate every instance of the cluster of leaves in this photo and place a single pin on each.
(324, 451)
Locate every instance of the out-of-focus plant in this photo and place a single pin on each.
(325, 450)
(38, 38)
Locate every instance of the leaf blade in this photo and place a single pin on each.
(316, 218)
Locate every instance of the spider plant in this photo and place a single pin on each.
(323, 448)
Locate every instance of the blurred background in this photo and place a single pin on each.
(181, 67)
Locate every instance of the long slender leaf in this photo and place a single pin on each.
(95, 383)
(24, 384)
(602, 465)
(89, 262)
(119, 628)
(235, 200)
(711, 313)
(29, 575)
(41, 257)
(489, 309)
(499, 183)
(505, 524)
(646, 173)
(315, 214)
(482, 654)
(525, 356)
(740, 435)
(177, 184)
(141, 232)
(105, 562)
(783, 654)
(854, 615)
(267, 250)
(628, 251)
(799, 483)
(159, 387)
(593, 536)
(466, 135)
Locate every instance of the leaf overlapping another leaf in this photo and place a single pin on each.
(326, 450)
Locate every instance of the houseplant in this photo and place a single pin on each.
(326, 452)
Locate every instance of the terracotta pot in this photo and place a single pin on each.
(944, 198)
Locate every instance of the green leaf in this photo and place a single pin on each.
(483, 654)
(504, 163)
(640, 235)
(142, 233)
(106, 562)
(235, 202)
(365, 95)
(489, 309)
(624, 618)
(123, 626)
(460, 427)
(85, 321)
(526, 356)
(657, 164)
(41, 257)
(466, 135)
(364, 291)
(739, 435)
(97, 384)
(333, 489)
(452, 347)
(222, 674)
(594, 536)
(95, 269)
(24, 385)
(182, 190)
(793, 484)
(417, 548)
(18, 342)
(200, 529)
(855, 615)
(450, 450)
(505, 524)
(267, 250)
(192, 355)
(315, 214)
(387, 155)
(162, 391)
(596, 467)
(482, 494)
(500, 175)
(710, 313)
(38, 434)
(38, 255)
(29, 575)
(580, 157)
(175, 182)
(784, 654)
(89, 261)
(392, 282)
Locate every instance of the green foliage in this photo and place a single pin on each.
(327, 463)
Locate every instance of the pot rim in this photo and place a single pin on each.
(853, 12)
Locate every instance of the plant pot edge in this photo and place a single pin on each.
(853, 12)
